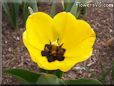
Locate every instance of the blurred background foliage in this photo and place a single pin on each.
(12, 9)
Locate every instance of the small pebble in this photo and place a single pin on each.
(6, 42)
(9, 49)
(18, 38)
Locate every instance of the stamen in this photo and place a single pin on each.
(60, 58)
(51, 59)
(47, 47)
(53, 52)
(44, 53)
(61, 45)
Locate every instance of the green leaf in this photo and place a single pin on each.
(83, 82)
(77, 10)
(68, 5)
(11, 10)
(6, 9)
(49, 79)
(83, 1)
(74, 9)
(25, 12)
(53, 8)
(24, 75)
(58, 73)
(26, 4)
(34, 5)
(44, 71)
(112, 72)
(14, 13)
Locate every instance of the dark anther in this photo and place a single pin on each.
(51, 59)
(60, 58)
(44, 53)
(61, 51)
(61, 45)
(53, 52)
(48, 47)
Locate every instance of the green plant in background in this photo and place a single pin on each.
(76, 7)
(12, 10)
(25, 5)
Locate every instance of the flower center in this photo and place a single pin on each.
(53, 52)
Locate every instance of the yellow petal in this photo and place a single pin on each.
(30, 48)
(63, 23)
(71, 31)
(83, 49)
(80, 53)
(77, 38)
(39, 29)
(70, 62)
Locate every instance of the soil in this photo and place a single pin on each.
(15, 55)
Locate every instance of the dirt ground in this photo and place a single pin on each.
(15, 55)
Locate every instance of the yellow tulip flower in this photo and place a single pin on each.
(59, 42)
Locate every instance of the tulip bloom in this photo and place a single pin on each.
(59, 42)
